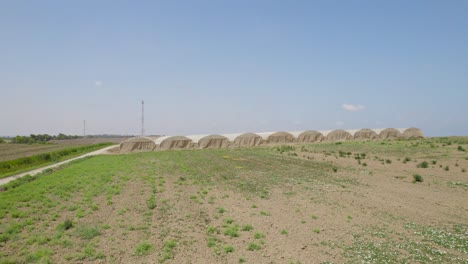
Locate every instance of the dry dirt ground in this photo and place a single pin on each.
(349, 202)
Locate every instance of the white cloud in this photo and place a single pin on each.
(98, 83)
(352, 108)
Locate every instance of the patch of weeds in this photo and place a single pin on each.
(241, 260)
(67, 224)
(446, 168)
(247, 227)
(434, 162)
(151, 203)
(253, 246)
(254, 206)
(228, 249)
(231, 231)
(407, 159)
(265, 213)
(417, 178)
(144, 248)
(388, 161)
(167, 250)
(40, 255)
(423, 165)
(463, 170)
(221, 210)
(314, 217)
(335, 169)
(284, 232)
(88, 232)
(316, 230)
(364, 164)
(460, 148)
(228, 221)
(349, 218)
(259, 235)
(211, 230)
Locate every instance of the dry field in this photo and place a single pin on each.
(15, 151)
(351, 202)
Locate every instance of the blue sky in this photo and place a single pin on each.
(232, 66)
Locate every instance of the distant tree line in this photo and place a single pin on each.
(40, 138)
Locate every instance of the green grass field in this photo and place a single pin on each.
(11, 167)
(252, 205)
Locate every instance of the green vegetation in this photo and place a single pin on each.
(11, 167)
(40, 138)
(423, 164)
(144, 248)
(253, 246)
(228, 249)
(417, 178)
(284, 232)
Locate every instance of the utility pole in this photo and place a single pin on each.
(84, 128)
(142, 118)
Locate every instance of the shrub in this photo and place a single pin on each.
(389, 161)
(460, 148)
(417, 178)
(447, 168)
(335, 169)
(423, 164)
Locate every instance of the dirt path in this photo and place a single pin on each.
(39, 170)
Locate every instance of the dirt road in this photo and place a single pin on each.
(39, 170)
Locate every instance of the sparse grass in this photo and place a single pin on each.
(316, 230)
(284, 232)
(88, 232)
(228, 249)
(144, 248)
(221, 210)
(446, 168)
(259, 235)
(247, 227)
(265, 213)
(253, 246)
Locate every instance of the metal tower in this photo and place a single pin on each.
(142, 118)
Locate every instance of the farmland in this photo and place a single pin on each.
(375, 201)
(15, 151)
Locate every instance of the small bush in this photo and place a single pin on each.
(67, 224)
(316, 230)
(228, 249)
(388, 161)
(335, 169)
(417, 178)
(284, 232)
(143, 248)
(252, 247)
(447, 168)
(423, 164)
(221, 210)
(247, 227)
(259, 235)
(460, 148)
(407, 159)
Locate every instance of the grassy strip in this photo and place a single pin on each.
(11, 167)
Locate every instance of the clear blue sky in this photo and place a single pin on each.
(232, 66)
